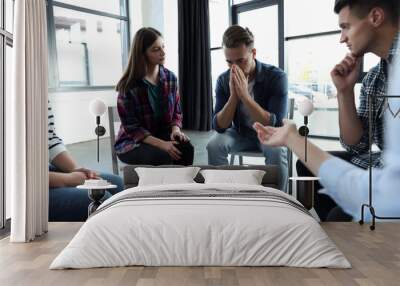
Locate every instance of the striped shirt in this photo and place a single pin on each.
(56, 146)
(374, 84)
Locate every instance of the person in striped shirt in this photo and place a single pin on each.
(66, 202)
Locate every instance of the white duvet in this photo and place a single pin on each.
(203, 231)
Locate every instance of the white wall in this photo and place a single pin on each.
(74, 123)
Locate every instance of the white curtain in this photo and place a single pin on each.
(27, 151)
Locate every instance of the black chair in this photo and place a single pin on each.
(114, 120)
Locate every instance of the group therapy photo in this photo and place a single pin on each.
(199, 142)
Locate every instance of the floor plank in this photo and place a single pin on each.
(375, 257)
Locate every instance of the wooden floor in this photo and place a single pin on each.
(375, 257)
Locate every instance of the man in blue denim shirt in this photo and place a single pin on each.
(250, 91)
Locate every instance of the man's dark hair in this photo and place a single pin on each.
(236, 35)
(361, 8)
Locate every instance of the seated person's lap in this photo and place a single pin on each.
(147, 154)
(221, 144)
(231, 141)
(71, 204)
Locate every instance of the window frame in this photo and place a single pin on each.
(6, 39)
(322, 34)
(54, 83)
(316, 35)
(258, 4)
(216, 48)
(230, 23)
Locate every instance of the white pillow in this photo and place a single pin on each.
(248, 177)
(165, 176)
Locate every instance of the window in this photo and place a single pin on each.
(308, 69)
(309, 17)
(171, 35)
(307, 64)
(266, 36)
(235, 2)
(81, 41)
(88, 43)
(109, 6)
(219, 22)
(163, 16)
(6, 41)
(9, 12)
(370, 60)
(8, 82)
(218, 66)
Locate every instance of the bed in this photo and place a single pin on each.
(201, 224)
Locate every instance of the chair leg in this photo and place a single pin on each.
(290, 171)
(114, 163)
(232, 162)
(240, 160)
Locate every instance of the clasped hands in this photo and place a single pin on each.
(238, 83)
(176, 137)
(78, 176)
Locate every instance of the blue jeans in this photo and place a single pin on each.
(221, 144)
(71, 204)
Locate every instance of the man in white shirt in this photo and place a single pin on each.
(345, 183)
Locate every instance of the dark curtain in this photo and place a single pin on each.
(195, 64)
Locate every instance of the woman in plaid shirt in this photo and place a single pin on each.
(149, 107)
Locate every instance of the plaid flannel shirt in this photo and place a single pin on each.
(137, 115)
(374, 84)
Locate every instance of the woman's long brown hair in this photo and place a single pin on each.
(136, 69)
